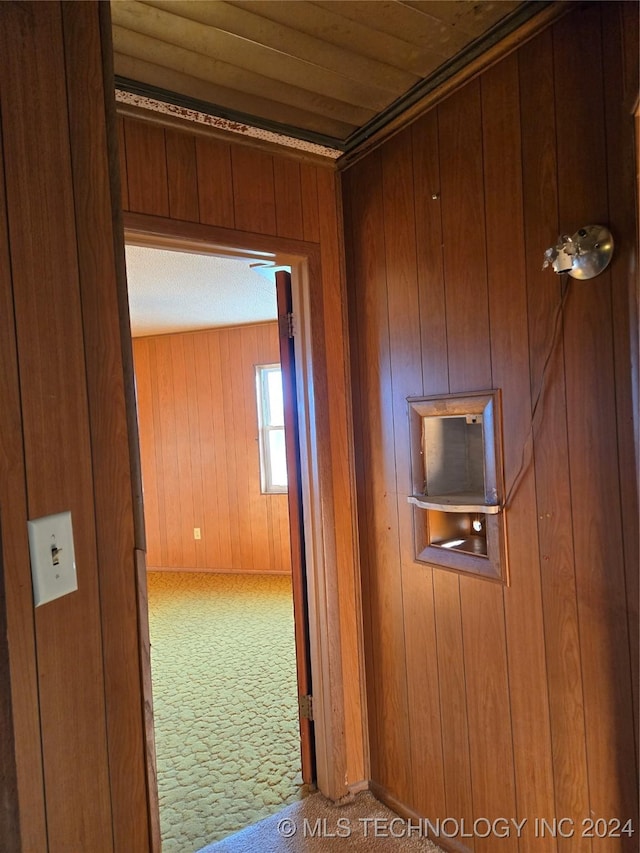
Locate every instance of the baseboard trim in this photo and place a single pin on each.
(380, 793)
(201, 571)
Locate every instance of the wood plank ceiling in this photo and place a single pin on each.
(326, 71)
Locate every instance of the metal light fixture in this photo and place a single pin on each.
(584, 255)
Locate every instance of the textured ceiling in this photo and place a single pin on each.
(329, 72)
(176, 291)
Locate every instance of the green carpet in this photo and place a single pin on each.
(225, 702)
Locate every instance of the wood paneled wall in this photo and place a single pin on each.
(195, 178)
(198, 424)
(489, 701)
(178, 178)
(75, 778)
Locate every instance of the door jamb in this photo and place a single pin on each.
(304, 260)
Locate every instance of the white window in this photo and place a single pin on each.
(273, 460)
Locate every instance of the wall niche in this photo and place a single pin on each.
(457, 483)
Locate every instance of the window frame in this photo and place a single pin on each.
(267, 486)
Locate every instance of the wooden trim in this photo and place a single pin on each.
(490, 57)
(206, 130)
(324, 616)
(296, 527)
(324, 613)
(147, 692)
(396, 805)
(162, 232)
(117, 192)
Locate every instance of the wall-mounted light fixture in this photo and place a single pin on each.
(584, 255)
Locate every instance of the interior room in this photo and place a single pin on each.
(454, 186)
(210, 424)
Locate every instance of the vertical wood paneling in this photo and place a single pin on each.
(390, 757)
(210, 369)
(194, 451)
(406, 377)
(310, 212)
(146, 426)
(213, 546)
(215, 188)
(180, 378)
(230, 461)
(523, 730)
(428, 226)
(254, 200)
(288, 194)
(488, 706)
(244, 349)
(463, 228)
(453, 701)
(21, 751)
(122, 155)
(61, 452)
(167, 453)
(40, 211)
(355, 196)
(510, 371)
(439, 635)
(148, 190)
(155, 451)
(469, 355)
(10, 811)
(182, 176)
(583, 195)
(555, 539)
(236, 406)
(94, 210)
(453, 728)
(201, 468)
(622, 172)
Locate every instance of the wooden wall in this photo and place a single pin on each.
(196, 178)
(74, 778)
(199, 450)
(186, 182)
(488, 701)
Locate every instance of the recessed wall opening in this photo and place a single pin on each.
(219, 562)
(457, 482)
(460, 531)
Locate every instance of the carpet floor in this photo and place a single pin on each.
(225, 703)
(316, 825)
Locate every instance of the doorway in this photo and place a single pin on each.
(161, 553)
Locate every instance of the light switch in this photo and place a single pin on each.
(53, 561)
(196, 533)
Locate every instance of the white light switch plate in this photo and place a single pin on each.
(53, 561)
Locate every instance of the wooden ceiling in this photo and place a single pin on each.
(328, 71)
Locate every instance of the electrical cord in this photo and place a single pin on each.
(527, 447)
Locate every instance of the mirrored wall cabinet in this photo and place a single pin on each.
(457, 489)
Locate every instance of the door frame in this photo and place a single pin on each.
(324, 624)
